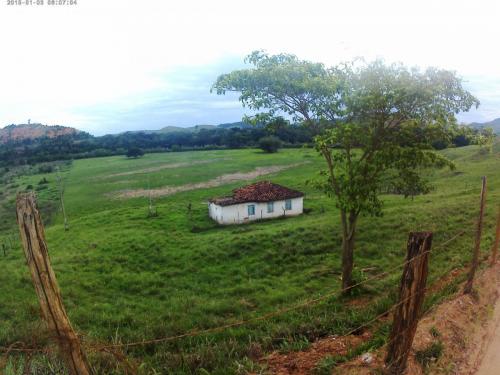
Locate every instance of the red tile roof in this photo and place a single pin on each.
(263, 191)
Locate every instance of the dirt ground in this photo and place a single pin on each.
(462, 325)
(301, 363)
(218, 181)
(490, 343)
(160, 168)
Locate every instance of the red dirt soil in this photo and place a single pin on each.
(460, 324)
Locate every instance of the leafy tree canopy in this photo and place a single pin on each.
(369, 117)
(371, 120)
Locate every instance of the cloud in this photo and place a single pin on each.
(182, 99)
(123, 64)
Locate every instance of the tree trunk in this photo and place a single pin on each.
(348, 234)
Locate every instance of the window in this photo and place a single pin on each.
(270, 207)
(251, 209)
(288, 204)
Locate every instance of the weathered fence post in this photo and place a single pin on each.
(477, 243)
(411, 298)
(494, 249)
(45, 283)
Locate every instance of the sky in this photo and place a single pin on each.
(108, 66)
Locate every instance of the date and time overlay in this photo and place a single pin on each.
(39, 3)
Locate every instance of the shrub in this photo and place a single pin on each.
(270, 144)
(429, 354)
(45, 168)
(43, 181)
(135, 152)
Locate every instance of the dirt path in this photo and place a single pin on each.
(160, 168)
(218, 181)
(490, 364)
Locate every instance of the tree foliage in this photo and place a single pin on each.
(83, 145)
(371, 120)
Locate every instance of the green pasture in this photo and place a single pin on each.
(126, 277)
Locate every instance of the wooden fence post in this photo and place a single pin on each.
(411, 298)
(61, 199)
(494, 249)
(45, 283)
(477, 244)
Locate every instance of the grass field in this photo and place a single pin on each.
(126, 277)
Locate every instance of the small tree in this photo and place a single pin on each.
(270, 144)
(135, 152)
(369, 119)
(484, 137)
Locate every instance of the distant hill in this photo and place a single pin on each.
(240, 124)
(190, 129)
(33, 131)
(494, 124)
(197, 128)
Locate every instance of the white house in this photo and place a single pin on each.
(262, 200)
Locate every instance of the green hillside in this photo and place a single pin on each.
(494, 124)
(172, 129)
(126, 277)
(197, 128)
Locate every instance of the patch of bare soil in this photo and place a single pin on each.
(460, 324)
(218, 181)
(160, 168)
(459, 321)
(490, 346)
(302, 363)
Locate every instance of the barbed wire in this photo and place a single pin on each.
(424, 313)
(306, 303)
(282, 311)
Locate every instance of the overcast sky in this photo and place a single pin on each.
(107, 66)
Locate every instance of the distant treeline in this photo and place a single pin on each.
(83, 145)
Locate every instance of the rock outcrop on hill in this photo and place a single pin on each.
(33, 131)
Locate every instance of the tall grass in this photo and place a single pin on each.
(128, 277)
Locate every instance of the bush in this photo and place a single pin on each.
(430, 354)
(43, 181)
(269, 144)
(45, 168)
(135, 152)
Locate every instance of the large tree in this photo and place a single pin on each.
(374, 123)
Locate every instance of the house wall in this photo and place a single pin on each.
(238, 213)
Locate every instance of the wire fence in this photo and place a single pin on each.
(304, 304)
(307, 303)
(115, 348)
